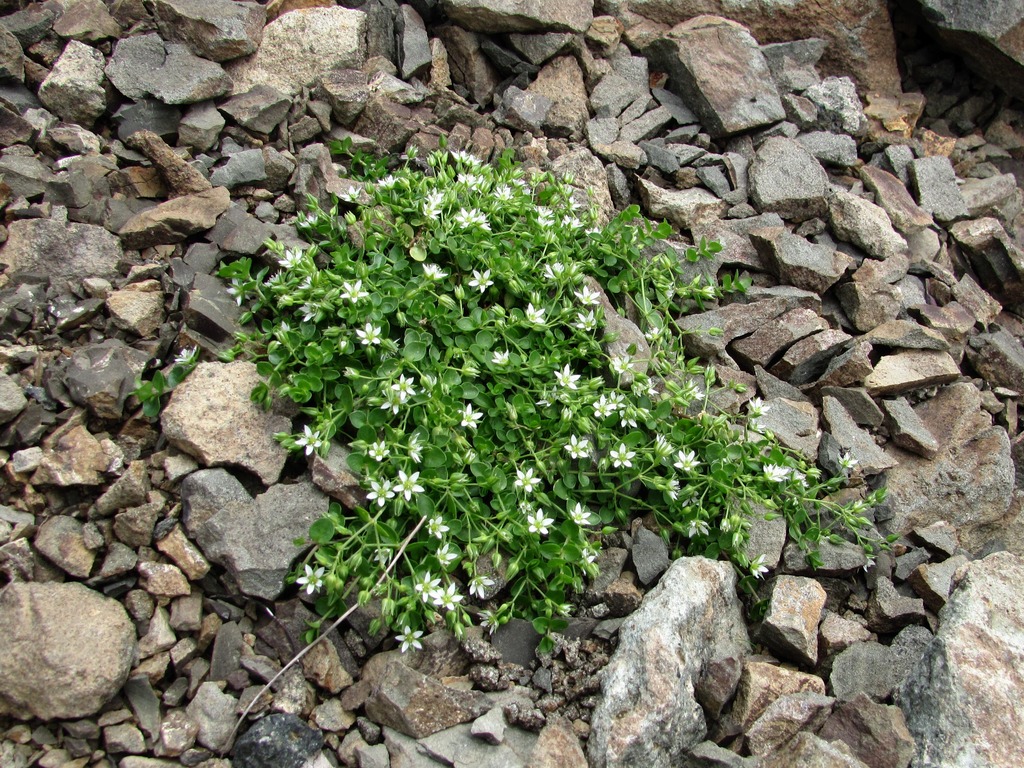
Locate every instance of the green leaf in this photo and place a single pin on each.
(322, 531)
(414, 351)
(416, 253)
(434, 457)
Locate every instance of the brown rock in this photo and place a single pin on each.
(181, 177)
(934, 581)
(561, 80)
(839, 633)
(60, 539)
(775, 336)
(906, 215)
(810, 751)
(806, 360)
(790, 627)
(910, 370)
(138, 308)
(762, 683)
(163, 580)
(77, 459)
(557, 746)
(174, 220)
(184, 554)
(784, 717)
(877, 734)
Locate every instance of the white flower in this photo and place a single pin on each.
(697, 527)
(534, 315)
(481, 280)
(369, 335)
(500, 358)
(554, 271)
(410, 639)
(846, 461)
(571, 222)
(545, 216)
(588, 297)
(622, 456)
(392, 401)
(309, 312)
(673, 489)
(426, 587)
(310, 440)
(603, 408)
(757, 567)
(433, 272)
(589, 554)
(380, 491)
(537, 523)
(472, 218)
(404, 388)
(581, 515)
(187, 356)
(432, 204)
(662, 447)
(436, 527)
(445, 554)
(236, 290)
(488, 621)
(620, 364)
(756, 407)
(503, 192)
(566, 378)
(312, 580)
(471, 418)
(291, 259)
(585, 321)
(577, 447)
(478, 586)
(686, 461)
(378, 451)
(414, 448)
(382, 556)
(526, 480)
(407, 485)
(353, 291)
(447, 598)
(776, 473)
(350, 195)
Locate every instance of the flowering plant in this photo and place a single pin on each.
(510, 378)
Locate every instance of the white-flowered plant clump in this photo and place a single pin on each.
(447, 328)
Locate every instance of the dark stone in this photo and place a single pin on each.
(259, 109)
(517, 642)
(147, 115)
(277, 741)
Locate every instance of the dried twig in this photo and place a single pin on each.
(297, 657)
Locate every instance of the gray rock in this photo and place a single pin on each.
(520, 15)
(200, 127)
(67, 650)
(696, 52)
(936, 189)
(12, 59)
(839, 108)
(61, 541)
(149, 115)
(174, 220)
(960, 700)
(277, 741)
(859, 444)
(538, 48)
(414, 47)
(794, 423)
(877, 734)
(684, 208)
(766, 538)
(934, 582)
(61, 250)
(786, 179)
(238, 231)
(842, 559)
(734, 321)
(810, 751)
(259, 109)
(797, 261)
(868, 304)
(786, 716)
(792, 63)
(25, 175)
(417, 705)
(213, 29)
(830, 148)
(890, 193)
(761, 683)
(516, 640)
(14, 129)
(256, 541)
(469, 66)
(997, 260)
(12, 399)
(864, 224)
(889, 611)
(74, 87)
(650, 555)
(864, 668)
(622, 153)
(790, 627)
(646, 126)
(613, 94)
(144, 65)
(648, 714)
(214, 712)
(774, 337)
(205, 493)
(680, 112)
(245, 167)
(907, 430)
(909, 370)
(523, 110)
(561, 81)
(297, 48)
(88, 21)
(994, 196)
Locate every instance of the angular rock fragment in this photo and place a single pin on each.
(907, 430)
(774, 337)
(785, 717)
(74, 87)
(807, 359)
(174, 220)
(933, 582)
(864, 224)
(906, 215)
(520, 16)
(889, 611)
(218, 30)
(995, 258)
(790, 627)
(868, 304)
(794, 423)
(683, 208)
(909, 370)
(144, 65)
(697, 52)
(259, 109)
(762, 683)
(786, 179)
(935, 186)
(797, 261)
(859, 444)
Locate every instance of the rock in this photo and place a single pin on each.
(859, 37)
(148, 115)
(697, 54)
(792, 63)
(144, 65)
(761, 684)
(200, 127)
(207, 492)
(520, 15)
(909, 370)
(997, 260)
(87, 21)
(12, 399)
(260, 109)
(300, 46)
(838, 633)
(810, 751)
(211, 417)
(960, 700)
(795, 424)
(839, 109)
(869, 303)
(906, 215)
(797, 261)
(808, 358)
(995, 196)
(852, 439)
(74, 87)
(905, 334)
(523, 110)
(877, 734)
(864, 224)
(734, 321)
(935, 188)
(417, 705)
(12, 59)
(414, 47)
(102, 376)
(907, 430)
(14, 129)
(684, 208)
(790, 627)
(163, 580)
(243, 167)
(469, 66)
(889, 611)
(213, 29)
(61, 541)
(774, 337)
(561, 81)
(647, 713)
(181, 177)
(787, 180)
(934, 581)
(784, 717)
(984, 36)
(77, 459)
(256, 541)
(174, 220)
(650, 555)
(214, 712)
(138, 308)
(612, 94)
(864, 668)
(622, 153)
(67, 650)
(277, 741)
(830, 148)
